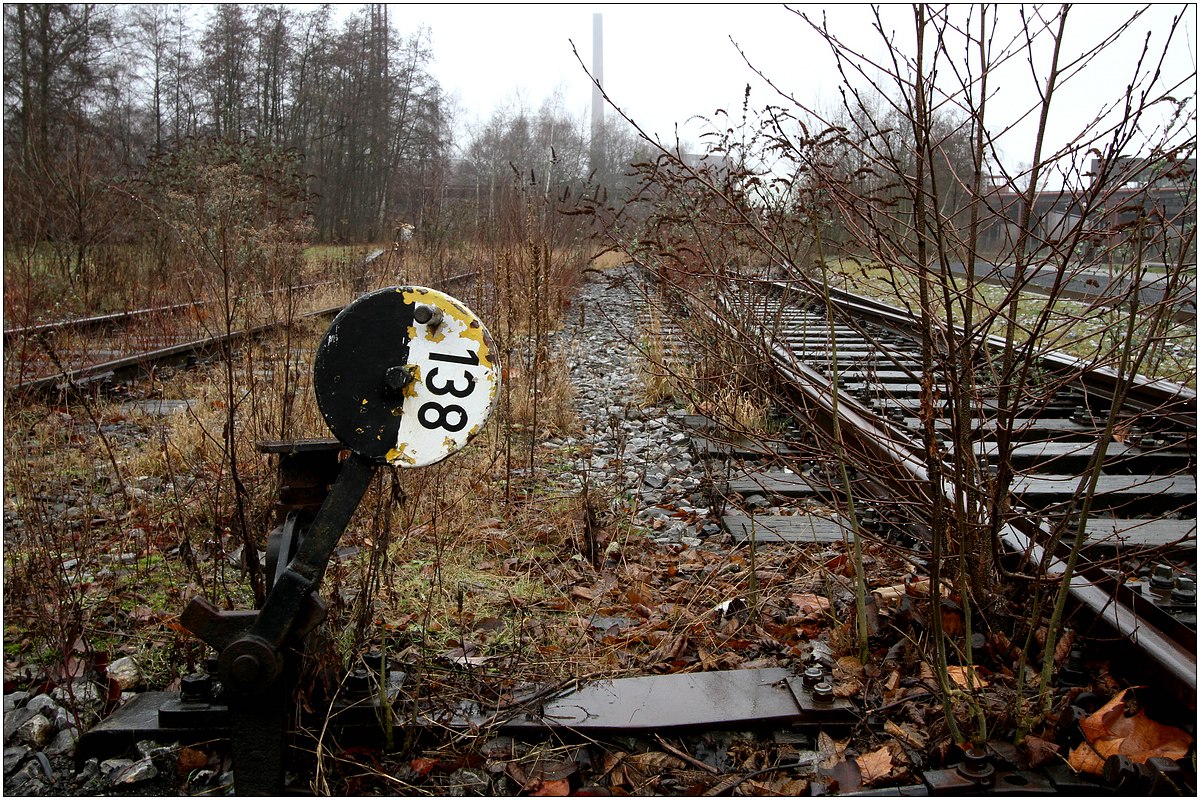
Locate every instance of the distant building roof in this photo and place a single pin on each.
(1157, 172)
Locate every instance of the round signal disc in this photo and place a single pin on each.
(406, 376)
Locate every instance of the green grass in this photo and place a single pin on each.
(1076, 329)
(319, 253)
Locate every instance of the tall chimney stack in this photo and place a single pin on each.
(597, 143)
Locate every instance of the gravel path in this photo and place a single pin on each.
(641, 453)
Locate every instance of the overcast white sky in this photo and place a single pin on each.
(665, 63)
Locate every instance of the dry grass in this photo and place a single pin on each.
(739, 410)
(663, 377)
(93, 568)
(465, 568)
(719, 394)
(549, 401)
(449, 546)
(609, 259)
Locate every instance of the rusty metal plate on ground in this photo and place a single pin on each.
(406, 376)
(655, 702)
(829, 709)
(137, 720)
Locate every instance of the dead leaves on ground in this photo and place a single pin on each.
(676, 610)
(841, 771)
(1121, 728)
(638, 773)
(671, 610)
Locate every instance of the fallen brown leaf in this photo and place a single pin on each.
(851, 666)
(953, 619)
(810, 604)
(1083, 760)
(875, 766)
(786, 787)
(965, 677)
(905, 734)
(1038, 751)
(845, 775)
(191, 759)
(654, 761)
(614, 768)
(423, 766)
(1063, 648)
(557, 788)
(639, 595)
(831, 751)
(1137, 737)
(583, 593)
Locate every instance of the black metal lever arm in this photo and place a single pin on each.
(251, 651)
(253, 660)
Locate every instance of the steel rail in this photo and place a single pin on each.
(1166, 398)
(878, 443)
(132, 367)
(118, 318)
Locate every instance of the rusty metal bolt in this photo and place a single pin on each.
(427, 315)
(1072, 673)
(246, 668)
(358, 682)
(248, 663)
(976, 767)
(1184, 591)
(1122, 773)
(196, 688)
(1068, 731)
(822, 692)
(1162, 579)
(813, 676)
(978, 647)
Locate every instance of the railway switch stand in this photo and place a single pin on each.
(405, 377)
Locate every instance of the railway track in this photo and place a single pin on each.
(134, 358)
(115, 349)
(75, 354)
(859, 381)
(123, 319)
(872, 388)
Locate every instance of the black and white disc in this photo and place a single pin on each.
(406, 376)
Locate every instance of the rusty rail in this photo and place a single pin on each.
(897, 460)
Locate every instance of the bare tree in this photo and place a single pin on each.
(909, 179)
(228, 48)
